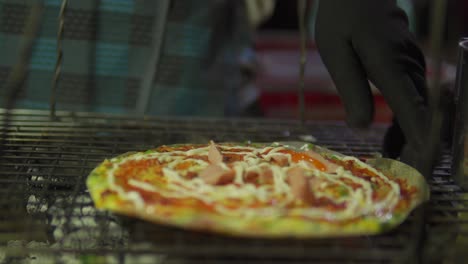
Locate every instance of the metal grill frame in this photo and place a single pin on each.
(45, 163)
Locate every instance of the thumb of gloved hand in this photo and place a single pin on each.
(259, 10)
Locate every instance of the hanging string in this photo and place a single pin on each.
(301, 11)
(58, 63)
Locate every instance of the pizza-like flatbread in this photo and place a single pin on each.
(261, 190)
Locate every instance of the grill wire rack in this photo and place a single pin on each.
(47, 214)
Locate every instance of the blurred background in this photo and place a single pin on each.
(182, 58)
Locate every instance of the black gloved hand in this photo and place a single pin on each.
(361, 40)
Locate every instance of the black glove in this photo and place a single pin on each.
(361, 40)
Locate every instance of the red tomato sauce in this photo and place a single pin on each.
(298, 156)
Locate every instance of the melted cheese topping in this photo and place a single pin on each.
(276, 199)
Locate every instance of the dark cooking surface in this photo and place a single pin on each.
(43, 196)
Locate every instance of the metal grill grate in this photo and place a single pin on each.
(47, 214)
